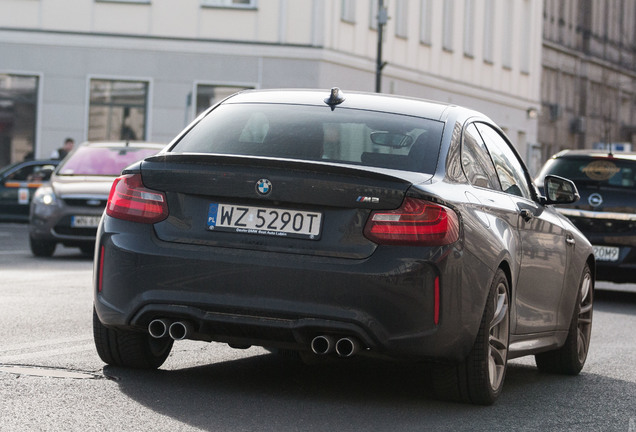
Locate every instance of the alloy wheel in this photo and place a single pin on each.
(498, 338)
(585, 317)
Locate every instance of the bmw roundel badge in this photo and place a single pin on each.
(263, 186)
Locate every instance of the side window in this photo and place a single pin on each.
(476, 161)
(509, 169)
(22, 174)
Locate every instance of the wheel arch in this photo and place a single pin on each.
(591, 263)
(505, 267)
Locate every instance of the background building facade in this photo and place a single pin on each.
(113, 69)
(588, 87)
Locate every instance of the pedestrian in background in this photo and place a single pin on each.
(60, 153)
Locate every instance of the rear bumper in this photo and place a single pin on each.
(624, 269)
(619, 273)
(246, 297)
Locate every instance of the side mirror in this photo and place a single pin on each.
(559, 190)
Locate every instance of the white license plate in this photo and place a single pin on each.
(264, 221)
(85, 221)
(606, 253)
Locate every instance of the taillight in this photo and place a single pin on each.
(130, 200)
(416, 223)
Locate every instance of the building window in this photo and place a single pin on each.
(489, 21)
(525, 37)
(348, 11)
(124, 1)
(241, 4)
(18, 109)
(447, 36)
(469, 27)
(401, 18)
(117, 110)
(373, 14)
(426, 11)
(208, 95)
(506, 42)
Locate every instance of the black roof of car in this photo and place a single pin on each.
(28, 162)
(358, 100)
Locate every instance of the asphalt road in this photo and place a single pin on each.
(52, 379)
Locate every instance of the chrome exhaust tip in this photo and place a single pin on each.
(158, 328)
(347, 347)
(322, 345)
(179, 330)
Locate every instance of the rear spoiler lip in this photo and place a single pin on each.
(352, 170)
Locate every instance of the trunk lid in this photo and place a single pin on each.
(342, 196)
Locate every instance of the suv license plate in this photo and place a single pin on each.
(606, 253)
(264, 221)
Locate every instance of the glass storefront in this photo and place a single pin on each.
(18, 111)
(118, 110)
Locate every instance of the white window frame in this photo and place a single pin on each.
(229, 4)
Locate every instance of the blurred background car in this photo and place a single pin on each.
(606, 212)
(18, 183)
(67, 209)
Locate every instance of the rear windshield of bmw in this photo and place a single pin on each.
(347, 136)
(608, 171)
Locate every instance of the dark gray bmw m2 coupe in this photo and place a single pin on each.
(328, 223)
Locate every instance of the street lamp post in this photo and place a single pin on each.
(382, 20)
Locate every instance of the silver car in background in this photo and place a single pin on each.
(68, 208)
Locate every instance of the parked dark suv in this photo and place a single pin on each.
(606, 212)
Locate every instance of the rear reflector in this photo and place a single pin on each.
(100, 273)
(130, 200)
(436, 301)
(415, 223)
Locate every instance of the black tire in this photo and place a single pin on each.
(131, 349)
(480, 377)
(42, 248)
(570, 358)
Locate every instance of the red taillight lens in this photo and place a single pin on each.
(416, 223)
(130, 200)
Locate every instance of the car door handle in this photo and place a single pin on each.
(569, 239)
(526, 214)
